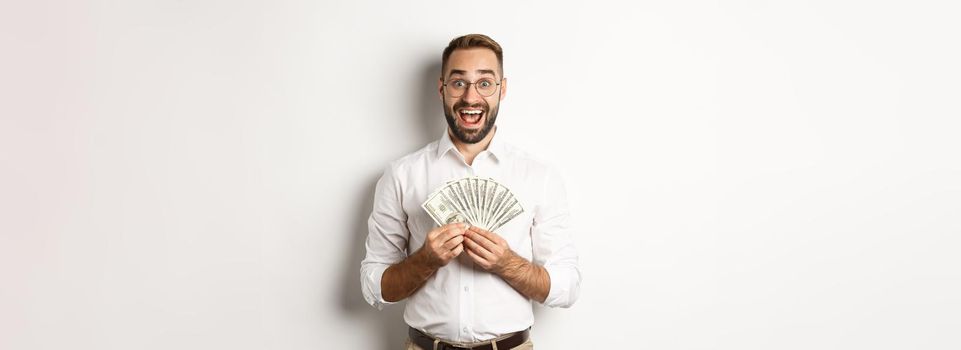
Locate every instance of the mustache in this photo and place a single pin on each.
(462, 104)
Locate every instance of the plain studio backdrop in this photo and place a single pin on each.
(742, 175)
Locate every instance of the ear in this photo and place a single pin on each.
(503, 88)
(440, 88)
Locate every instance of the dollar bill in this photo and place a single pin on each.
(478, 201)
(442, 210)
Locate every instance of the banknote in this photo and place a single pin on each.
(482, 202)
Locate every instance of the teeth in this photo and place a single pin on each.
(470, 111)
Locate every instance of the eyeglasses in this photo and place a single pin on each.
(457, 87)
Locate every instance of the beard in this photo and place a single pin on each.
(466, 135)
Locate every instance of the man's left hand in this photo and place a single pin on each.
(491, 252)
(488, 250)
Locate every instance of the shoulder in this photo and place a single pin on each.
(531, 164)
(413, 160)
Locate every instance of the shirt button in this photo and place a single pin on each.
(465, 329)
(465, 289)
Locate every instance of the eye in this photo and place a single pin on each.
(460, 84)
(486, 83)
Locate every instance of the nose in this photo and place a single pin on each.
(471, 95)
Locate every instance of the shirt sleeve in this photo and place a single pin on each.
(387, 237)
(553, 244)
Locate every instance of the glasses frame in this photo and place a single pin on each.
(474, 83)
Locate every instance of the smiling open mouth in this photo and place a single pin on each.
(471, 117)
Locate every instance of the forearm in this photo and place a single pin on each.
(404, 278)
(529, 279)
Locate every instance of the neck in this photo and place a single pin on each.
(468, 150)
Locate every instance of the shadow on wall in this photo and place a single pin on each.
(427, 114)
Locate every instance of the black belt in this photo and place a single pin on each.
(425, 342)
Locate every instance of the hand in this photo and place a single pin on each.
(488, 250)
(443, 244)
(492, 253)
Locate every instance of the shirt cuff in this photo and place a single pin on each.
(372, 291)
(565, 286)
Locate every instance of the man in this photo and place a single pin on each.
(467, 287)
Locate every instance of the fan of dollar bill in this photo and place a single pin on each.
(477, 201)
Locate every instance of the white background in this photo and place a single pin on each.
(743, 174)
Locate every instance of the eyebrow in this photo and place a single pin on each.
(479, 71)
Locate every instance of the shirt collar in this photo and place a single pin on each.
(497, 148)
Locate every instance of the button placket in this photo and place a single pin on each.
(467, 303)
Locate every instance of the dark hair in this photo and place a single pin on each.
(470, 41)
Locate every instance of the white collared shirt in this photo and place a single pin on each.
(461, 302)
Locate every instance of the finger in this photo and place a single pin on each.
(440, 230)
(484, 241)
(494, 237)
(477, 258)
(453, 225)
(453, 242)
(447, 228)
(434, 232)
(472, 245)
(457, 250)
(452, 230)
(476, 229)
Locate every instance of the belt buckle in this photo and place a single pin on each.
(447, 346)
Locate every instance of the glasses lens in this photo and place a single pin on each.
(486, 87)
(455, 88)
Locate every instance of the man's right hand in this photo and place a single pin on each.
(443, 244)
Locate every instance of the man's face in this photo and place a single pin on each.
(472, 66)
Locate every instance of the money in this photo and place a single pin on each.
(477, 201)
